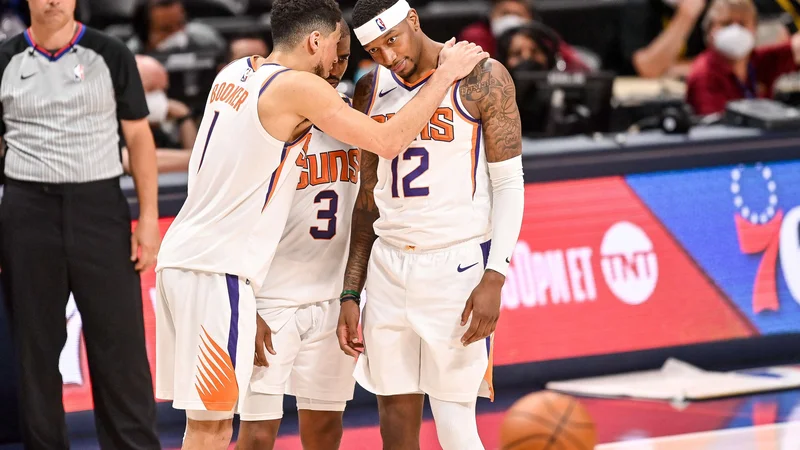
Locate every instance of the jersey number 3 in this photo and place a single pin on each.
(326, 214)
(408, 190)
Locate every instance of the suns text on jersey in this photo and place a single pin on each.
(230, 93)
(328, 167)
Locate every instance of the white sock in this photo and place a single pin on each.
(456, 425)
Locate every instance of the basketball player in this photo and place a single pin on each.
(299, 299)
(447, 214)
(219, 248)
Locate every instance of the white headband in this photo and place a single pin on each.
(383, 22)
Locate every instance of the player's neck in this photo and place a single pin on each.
(51, 38)
(428, 60)
(291, 59)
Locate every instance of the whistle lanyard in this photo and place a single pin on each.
(749, 87)
(789, 7)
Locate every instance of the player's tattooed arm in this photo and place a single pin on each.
(365, 213)
(489, 94)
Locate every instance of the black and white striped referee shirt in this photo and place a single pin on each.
(59, 109)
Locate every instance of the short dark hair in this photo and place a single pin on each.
(345, 28)
(292, 19)
(366, 10)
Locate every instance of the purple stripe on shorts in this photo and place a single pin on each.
(233, 296)
(485, 247)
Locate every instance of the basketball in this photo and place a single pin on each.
(547, 420)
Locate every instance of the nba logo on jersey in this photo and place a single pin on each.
(78, 72)
(380, 23)
(247, 74)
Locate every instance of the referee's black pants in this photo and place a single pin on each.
(58, 239)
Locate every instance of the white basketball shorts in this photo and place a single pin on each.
(411, 323)
(205, 339)
(308, 363)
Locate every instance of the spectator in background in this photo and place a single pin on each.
(174, 130)
(661, 37)
(731, 69)
(10, 22)
(505, 15)
(244, 46)
(535, 46)
(162, 26)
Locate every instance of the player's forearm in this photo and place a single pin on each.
(362, 236)
(406, 125)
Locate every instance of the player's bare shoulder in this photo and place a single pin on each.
(488, 79)
(488, 93)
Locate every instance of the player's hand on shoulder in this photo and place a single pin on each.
(263, 341)
(347, 330)
(484, 307)
(457, 60)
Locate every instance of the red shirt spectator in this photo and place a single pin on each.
(712, 83)
(481, 34)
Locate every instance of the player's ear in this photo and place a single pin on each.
(413, 19)
(314, 40)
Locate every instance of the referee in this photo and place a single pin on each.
(66, 226)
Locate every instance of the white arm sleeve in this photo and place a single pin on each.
(508, 204)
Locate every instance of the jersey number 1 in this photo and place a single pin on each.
(408, 190)
(326, 214)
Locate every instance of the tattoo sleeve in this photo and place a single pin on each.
(365, 213)
(491, 90)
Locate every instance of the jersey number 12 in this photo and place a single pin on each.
(408, 190)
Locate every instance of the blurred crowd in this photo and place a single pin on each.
(717, 50)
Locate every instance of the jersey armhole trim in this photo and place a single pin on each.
(460, 109)
(270, 79)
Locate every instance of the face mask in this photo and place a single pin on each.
(505, 23)
(157, 104)
(734, 41)
(177, 40)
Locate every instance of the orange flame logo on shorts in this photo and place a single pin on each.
(216, 379)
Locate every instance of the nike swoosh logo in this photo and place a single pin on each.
(23, 77)
(461, 269)
(381, 93)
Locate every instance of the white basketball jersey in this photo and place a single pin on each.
(241, 183)
(310, 261)
(437, 192)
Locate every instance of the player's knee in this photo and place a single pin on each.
(400, 419)
(210, 432)
(456, 425)
(320, 430)
(260, 435)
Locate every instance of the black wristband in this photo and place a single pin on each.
(348, 298)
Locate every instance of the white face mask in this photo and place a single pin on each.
(505, 23)
(177, 40)
(734, 41)
(157, 104)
